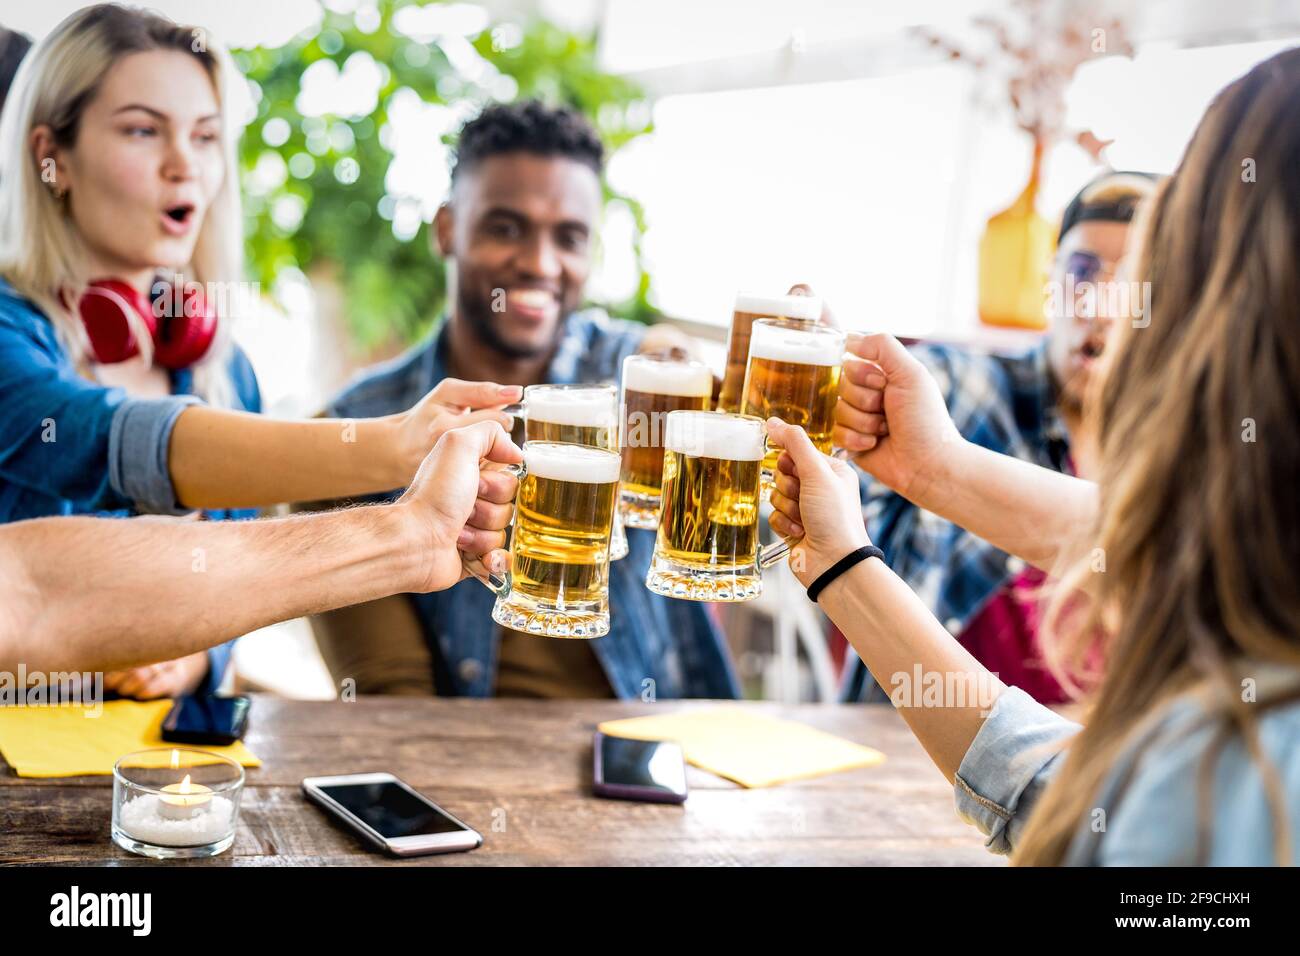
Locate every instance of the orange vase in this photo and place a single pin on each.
(1015, 253)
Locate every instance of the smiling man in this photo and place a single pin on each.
(518, 229)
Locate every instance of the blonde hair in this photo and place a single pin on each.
(41, 253)
(1198, 522)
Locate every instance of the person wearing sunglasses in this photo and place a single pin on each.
(1028, 406)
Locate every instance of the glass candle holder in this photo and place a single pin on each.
(175, 803)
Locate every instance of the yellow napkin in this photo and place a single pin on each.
(753, 750)
(70, 741)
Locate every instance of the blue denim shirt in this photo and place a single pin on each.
(1146, 811)
(70, 446)
(1007, 404)
(656, 647)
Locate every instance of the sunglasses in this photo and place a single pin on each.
(1086, 266)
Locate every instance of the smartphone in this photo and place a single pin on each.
(206, 719)
(649, 770)
(390, 814)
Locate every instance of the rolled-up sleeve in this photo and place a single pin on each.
(66, 437)
(138, 441)
(1008, 764)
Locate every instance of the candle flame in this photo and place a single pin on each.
(185, 786)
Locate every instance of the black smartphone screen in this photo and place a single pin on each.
(206, 719)
(391, 810)
(652, 765)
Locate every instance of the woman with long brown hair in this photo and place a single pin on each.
(1182, 563)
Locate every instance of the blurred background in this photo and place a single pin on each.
(861, 147)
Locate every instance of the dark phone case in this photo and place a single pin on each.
(210, 737)
(624, 791)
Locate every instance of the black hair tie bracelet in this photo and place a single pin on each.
(840, 566)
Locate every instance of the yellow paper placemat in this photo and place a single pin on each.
(752, 750)
(68, 742)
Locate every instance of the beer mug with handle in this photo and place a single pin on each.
(707, 547)
(558, 582)
(582, 414)
(804, 309)
(793, 374)
(652, 388)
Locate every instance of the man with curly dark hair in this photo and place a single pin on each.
(517, 231)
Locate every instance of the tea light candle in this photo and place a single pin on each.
(146, 819)
(190, 800)
(167, 815)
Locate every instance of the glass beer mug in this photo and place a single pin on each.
(558, 582)
(707, 547)
(804, 309)
(578, 414)
(652, 388)
(793, 374)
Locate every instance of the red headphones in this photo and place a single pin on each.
(180, 338)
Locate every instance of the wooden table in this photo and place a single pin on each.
(520, 773)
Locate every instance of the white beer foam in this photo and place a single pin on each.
(577, 463)
(797, 346)
(715, 435)
(806, 307)
(667, 378)
(573, 406)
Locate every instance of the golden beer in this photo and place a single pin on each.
(579, 415)
(652, 388)
(749, 308)
(794, 375)
(564, 513)
(707, 548)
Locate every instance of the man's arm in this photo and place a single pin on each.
(93, 594)
(98, 594)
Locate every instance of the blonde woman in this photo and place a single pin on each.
(120, 390)
(1187, 547)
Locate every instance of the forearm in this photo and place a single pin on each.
(223, 459)
(172, 588)
(1039, 515)
(895, 634)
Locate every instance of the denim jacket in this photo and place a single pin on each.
(70, 446)
(656, 647)
(1146, 813)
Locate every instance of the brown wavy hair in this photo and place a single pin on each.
(1198, 420)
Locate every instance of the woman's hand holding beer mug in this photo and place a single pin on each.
(452, 403)
(460, 504)
(891, 418)
(815, 502)
(892, 421)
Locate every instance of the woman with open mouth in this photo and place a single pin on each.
(121, 390)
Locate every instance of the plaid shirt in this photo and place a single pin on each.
(1007, 404)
